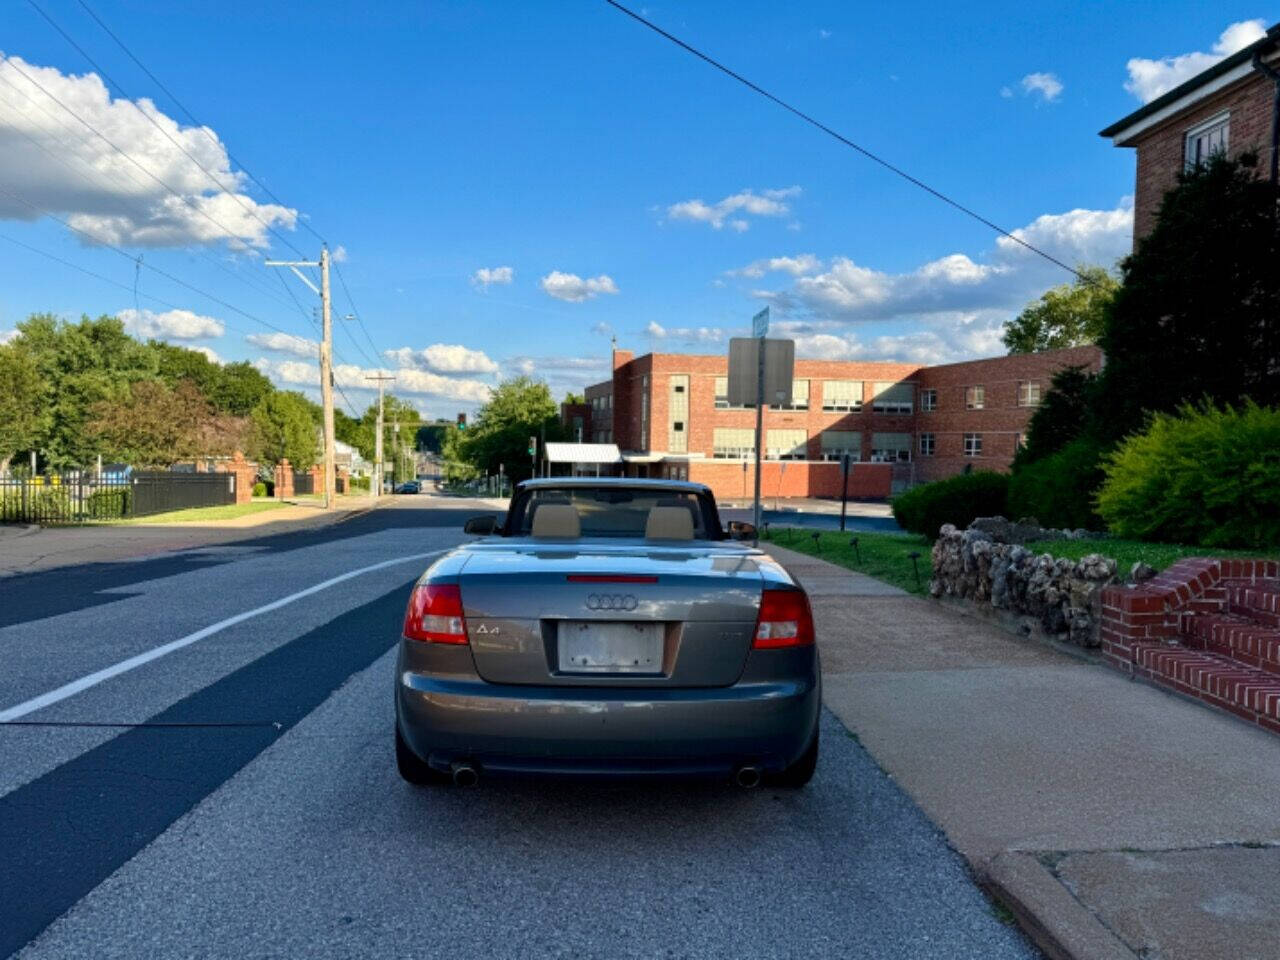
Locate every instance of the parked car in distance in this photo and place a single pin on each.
(607, 626)
(409, 486)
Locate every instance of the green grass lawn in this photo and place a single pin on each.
(885, 556)
(1128, 552)
(229, 512)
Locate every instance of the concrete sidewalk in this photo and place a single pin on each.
(1112, 818)
(28, 550)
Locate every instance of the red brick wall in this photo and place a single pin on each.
(570, 410)
(728, 481)
(1161, 149)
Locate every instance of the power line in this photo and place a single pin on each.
(843, 139)
(356, 313)
(189, 115)
(152, 120)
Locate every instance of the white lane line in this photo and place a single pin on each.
(124, 666)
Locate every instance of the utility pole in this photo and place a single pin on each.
(376, 492)
(326, 361)
(759, 330)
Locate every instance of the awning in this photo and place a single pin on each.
(583, 453)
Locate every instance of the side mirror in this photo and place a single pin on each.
(741, 530)
(480, 526)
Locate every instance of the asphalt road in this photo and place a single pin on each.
(234, 794)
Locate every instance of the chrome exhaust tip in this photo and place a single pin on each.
(464, 774)
(747, 776)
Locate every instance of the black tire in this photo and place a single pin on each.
(413, 768)
(800, 772)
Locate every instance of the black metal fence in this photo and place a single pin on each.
(76, 497)
(303, 482)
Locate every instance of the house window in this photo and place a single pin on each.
(842, 395)
(927, 444)
(890, 447)
(837, 443)
(1028, 393)
(799, 397)
(892, 398)
(973, 444)
(975, 398)
(1207, 139)
(786, 444)
(929, 399)
(731, 443)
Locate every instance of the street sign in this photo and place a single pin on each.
(760, 324)
(779, 370)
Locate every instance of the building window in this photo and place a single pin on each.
(722, 393)
(975, 398)
(679, 388)
(678, 426)
(927, 444)
(1207, 139)
(842, 395)
(732, 443)
(1019, 441)
(929, 399)
(1028, 393)
(890, 447)
(799, 397)
(786, 445)
(837, 443)
(892, 398)
(973, 444)
(644, 412)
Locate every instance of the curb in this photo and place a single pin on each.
(23, 530)
(1054, 920)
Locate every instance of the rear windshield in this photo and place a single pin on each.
(618, 511)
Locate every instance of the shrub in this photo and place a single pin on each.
(1058, 490)
(957, 500)
(1209, 476)
(108, 504)
(259, 489)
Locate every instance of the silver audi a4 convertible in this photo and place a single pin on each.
(608, 627)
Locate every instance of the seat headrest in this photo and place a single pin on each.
(558, 520)
(669, 523)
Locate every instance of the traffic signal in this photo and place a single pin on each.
(533, 446)
(462, 421)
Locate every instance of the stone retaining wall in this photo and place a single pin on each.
(1063, 596)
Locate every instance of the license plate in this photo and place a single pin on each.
(591, 647)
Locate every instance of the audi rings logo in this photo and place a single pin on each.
(612, 601)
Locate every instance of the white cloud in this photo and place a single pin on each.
(688, 335)
(339, 254)
(766, 203)
(101, 192)
(209, 353)
(442, 358)
(939, 339)
(170, 325)
(1006, 92)
(1047, 85)
(562, 374)
(285, 343)
(7, 335)
(1008, 277)
(296, 373)
(573, 288)
(824, 34)
(1149, 79)
(486, 276)
(602, 328)
(796, 266)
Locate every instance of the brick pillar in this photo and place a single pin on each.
(344, 480)
(284, 479)
(317, 479)
(246, 472)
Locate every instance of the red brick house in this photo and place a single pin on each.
(1233, 107)
(900, 423)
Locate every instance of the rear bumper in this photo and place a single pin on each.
(600, 731)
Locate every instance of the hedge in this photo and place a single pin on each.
(958, 500)
(1058, 489)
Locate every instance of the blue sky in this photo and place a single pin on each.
(609, 183)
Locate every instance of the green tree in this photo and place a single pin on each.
(151, 424)
(284, 426)
(572, 397)
(1196, 316)
(1063, 415)
(175, 364)
(240, 388)
(518, 409)
(80, 364)
(1066, 316)
(21, 403)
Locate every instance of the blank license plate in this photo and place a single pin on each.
(591, 647)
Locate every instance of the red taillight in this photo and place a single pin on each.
(435, 614)
(785, 620)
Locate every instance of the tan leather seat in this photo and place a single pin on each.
(557, 521)
(669, 523)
